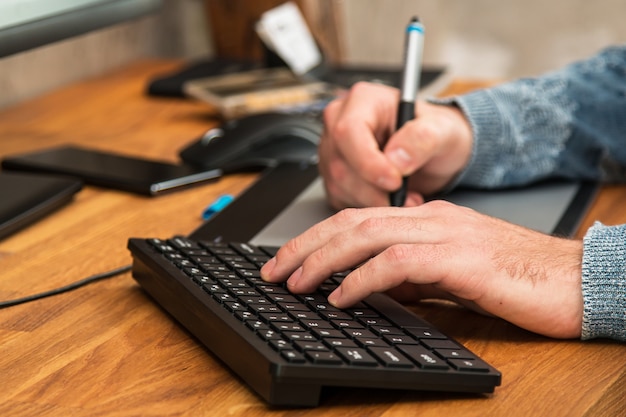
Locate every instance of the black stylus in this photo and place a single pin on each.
(408, 91)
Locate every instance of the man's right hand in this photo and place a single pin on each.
(432, 149)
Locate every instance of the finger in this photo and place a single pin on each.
(413, 199)
(293, 253)
(359, 130)
(399, 264)
(411, 293)
(433, 148)
(346, 188)
(355, 244)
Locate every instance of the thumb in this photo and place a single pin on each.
(410, 147)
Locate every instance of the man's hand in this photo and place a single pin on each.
(440, 250)
(432, 148)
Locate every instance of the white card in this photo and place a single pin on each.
(284, 30)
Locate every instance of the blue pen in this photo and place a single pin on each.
(217, 206)
(414, 45)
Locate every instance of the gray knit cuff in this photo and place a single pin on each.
(604, 282)
(488, 128)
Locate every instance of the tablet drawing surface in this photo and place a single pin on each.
(539, 207)
(290, 198)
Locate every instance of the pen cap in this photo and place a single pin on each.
(414, 45)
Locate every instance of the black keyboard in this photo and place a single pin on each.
(286, 346)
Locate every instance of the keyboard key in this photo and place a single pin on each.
(385, 331)
(323, 358)
(359, 334)
(279, 344)
(422, 333)
(244, 315)
(423, 357)
(275, 317)
(471, 365)
(328, 333)
(340, 342)
(395, 339)
(310, 345)
(287, 327)
(234, 306)
(257, 325)
(371, 342)
(269, 335)
(357, 356)
(306, 336)
(439, 344)
(335, 315)
(293, 356)
(391, 357)
(454, 354)
(347, 324)
(316, 324)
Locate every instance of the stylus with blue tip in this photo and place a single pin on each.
(408, 90)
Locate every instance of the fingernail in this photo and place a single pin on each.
(267, 268)
(386, 183)
(400, 158)
(334, 296)
(294, 278)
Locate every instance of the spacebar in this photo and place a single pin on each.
(396, 312)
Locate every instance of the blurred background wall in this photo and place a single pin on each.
(486, 38)
(474, 38)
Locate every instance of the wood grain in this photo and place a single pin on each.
(107, 350)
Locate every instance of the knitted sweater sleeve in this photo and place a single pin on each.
(567, 124)
(604, 282)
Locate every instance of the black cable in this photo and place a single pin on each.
(70, 287)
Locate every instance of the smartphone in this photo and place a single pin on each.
(111, 170)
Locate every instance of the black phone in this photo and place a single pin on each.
(111, 170)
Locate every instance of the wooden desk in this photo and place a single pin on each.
(106, 349)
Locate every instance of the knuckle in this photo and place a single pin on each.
(398, 254)
(370, 226)
(355, 281)
(290, 248)
(439, 204)
(346, 216)
(442, 207)
(337, 170)
(360, 87)
(342, 127)
(315, 259)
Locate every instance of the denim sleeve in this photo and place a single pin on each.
(566, 124)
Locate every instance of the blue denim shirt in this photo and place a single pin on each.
(566, 124)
